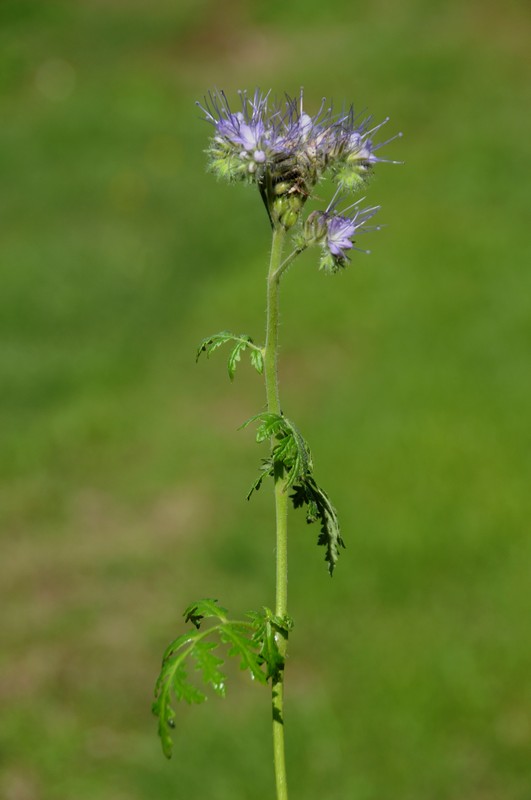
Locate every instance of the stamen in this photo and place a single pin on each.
(377, 127)
(391, 139)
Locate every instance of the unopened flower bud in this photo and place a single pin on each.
(315, 228)
(281, 188)
(286, 210)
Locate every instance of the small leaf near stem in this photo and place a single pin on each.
(291, 462)
(242, 343)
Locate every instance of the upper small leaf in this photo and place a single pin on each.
(242, 342)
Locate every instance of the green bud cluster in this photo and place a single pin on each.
(226, 164)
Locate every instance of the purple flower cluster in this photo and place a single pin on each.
(335, 232)
(259, 137)
(285, 151)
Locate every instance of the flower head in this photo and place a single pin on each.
(335, 233)
(355, 151)
(285, 151)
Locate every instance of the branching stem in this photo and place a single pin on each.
(276, 267)
(287, 261)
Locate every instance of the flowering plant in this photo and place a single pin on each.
(285, 152)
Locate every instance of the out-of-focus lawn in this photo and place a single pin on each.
(122, 474)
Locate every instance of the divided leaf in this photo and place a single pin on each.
(252, 642)
(307, 492)
(266, 468)
(268, 627)
(290, 454)
(240, 645)
(291, 461)
(174, 678)
(209, 666)
(242, 343)
(184, 638)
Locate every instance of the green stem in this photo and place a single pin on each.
(285, 264)
(281, 503)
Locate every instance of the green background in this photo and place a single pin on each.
(123, 476)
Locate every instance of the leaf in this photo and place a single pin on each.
(211, 343)
(235, 356)
(173, 678)
(290, 455)
(242, 343)
(209, 665)
(184, 638)
(173, 683)
(268, 627)
(307, 492)
(183, 689)
(257, 360)
(232, 633)
(204, 609)
(271, 425)
(291, 461)
(266, 468)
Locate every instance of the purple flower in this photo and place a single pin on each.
(335, 233)
(239, 132)
(279, 136)
(239, 140)
(339, 233)
(355, 153)
(285, 151)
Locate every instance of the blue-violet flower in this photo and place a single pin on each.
(285, 151)
(335, 233)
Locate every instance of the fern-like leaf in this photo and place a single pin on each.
(209, 666)
(308, 493)
(291, 462)
(242, 342)
(236, 636)
(267, 628)
(201, 644)
(174, 678)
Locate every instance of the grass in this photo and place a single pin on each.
(123, 476)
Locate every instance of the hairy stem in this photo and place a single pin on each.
(281, 504)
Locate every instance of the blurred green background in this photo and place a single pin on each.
(122, 474)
